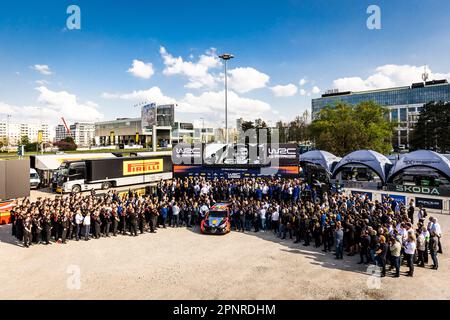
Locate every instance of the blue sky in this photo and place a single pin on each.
(47, 71)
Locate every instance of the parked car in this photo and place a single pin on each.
(35, 180)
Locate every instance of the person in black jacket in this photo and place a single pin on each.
(13, 222)
(65, 223)
(115, 221)
(27, 226)
(364, 243)
(133, 220)
(107, 220)
(434, 248)
(47, 228)
(97, 224)
(381, 255)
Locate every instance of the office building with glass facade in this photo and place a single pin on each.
(404, 103)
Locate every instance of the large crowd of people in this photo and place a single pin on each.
(385, 233)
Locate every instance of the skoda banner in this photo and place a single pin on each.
(430, 191)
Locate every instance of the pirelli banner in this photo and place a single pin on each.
(127, 167)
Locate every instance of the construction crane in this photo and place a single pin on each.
(69, 134)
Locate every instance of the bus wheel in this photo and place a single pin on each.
(76, 189)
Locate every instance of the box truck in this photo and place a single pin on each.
(104, 174)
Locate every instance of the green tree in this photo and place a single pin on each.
(432, 131)
(68, 144)
(282, 131)
(298, 129)
(344, 129)
(24, 141)
(29, 146)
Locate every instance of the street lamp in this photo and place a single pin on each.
(8, 120)
(203, 130)
(225, 57)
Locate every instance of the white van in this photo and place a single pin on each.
(35, 181)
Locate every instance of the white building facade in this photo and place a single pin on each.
(83, 134)
(12, 133)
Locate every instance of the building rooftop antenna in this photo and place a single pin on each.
(425, 74)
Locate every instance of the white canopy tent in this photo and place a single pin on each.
(421, 158)
(321, 158)
(368, 158)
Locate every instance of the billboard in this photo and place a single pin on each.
(251, 154)
(401, 199)
(430, 203)
(131, 168)
(430, 191)
(107, 169)
(148, 116)
(367, 194)
(285, 154)
(187, 154)
(234, 172)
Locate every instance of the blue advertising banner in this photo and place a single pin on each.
(396, 198)
(233, 172)
(368, 194)
(430, 203)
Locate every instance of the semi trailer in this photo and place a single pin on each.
(104, 174)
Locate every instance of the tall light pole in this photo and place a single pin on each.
(203, 130)
(225, 57)
(8, 123)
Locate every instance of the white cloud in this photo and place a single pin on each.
(303, 92)
(51, 107)
(245, 80)
(152, 95)
(197, 72)
(315, 90)
(42, 82)
(213, 102)
(303, 82)
(387, 76)
(141, 69)
(6, 109)
(210, 105)
(42, 69)
(285, 91)
(57, 104)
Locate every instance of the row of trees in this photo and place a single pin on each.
(344, 128)
(67, 144)
(432, 131)
(339, 130)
